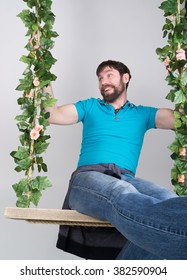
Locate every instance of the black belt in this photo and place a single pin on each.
(109, 169)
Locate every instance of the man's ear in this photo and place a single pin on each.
(126, 78)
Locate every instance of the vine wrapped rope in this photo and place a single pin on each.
(33, 121)
(176, 65)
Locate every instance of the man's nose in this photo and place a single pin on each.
(104, 82)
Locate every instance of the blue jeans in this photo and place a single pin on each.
(152, 218)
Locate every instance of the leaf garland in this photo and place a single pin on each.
(174, 58)
(33, 121)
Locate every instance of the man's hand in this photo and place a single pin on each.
(62, 115)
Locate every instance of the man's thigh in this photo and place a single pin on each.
(149, 188)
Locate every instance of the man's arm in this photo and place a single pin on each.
(165, 119)
(63, 115)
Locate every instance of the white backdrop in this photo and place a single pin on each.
(90, 32)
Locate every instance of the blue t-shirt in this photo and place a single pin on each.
(113, 138)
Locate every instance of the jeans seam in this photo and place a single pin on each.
(130, 217)
(156, 227)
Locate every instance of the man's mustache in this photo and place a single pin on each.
(106, 86)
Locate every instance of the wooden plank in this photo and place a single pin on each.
(53, 216)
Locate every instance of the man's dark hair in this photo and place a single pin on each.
(119, 66)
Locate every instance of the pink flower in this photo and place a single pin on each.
(182, 152)
(36, 82)
(36, 46)
(29, 95)
(181, 111)
(180, 54)
(167, 61)
(172, 17)
(38, 127)
(34, 134)
(181, 178)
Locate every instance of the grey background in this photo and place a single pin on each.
(90, 32)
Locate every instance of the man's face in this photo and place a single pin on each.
(111, 84)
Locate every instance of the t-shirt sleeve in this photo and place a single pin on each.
(82, 107)
(151, 114)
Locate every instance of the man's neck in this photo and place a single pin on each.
(119, 103)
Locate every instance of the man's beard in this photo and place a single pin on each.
(117, 92)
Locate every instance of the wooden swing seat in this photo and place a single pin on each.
(54, 216)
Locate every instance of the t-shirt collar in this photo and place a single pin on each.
(102, 102)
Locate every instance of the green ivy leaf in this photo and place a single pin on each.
(40, 183)
(35, 197)
(169, 7)
(39, 160)
(179, 97)
(44, 167)
(184, 78)
(174, 156)
(177, 123)
(22, 153)
(49, 102)
(43, 121)
(24, 163)
(171, 95)
(18, 169)
(23, 202)
(23, 126)
(23, 117)
(21, 187)
(22, 87)
(30, 3)
(185, 108)
(28, 18)
(40, 147)
(26, 59)
(174, 147)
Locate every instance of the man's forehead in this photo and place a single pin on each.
(107, 69)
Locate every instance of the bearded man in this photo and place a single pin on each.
(150, 221)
